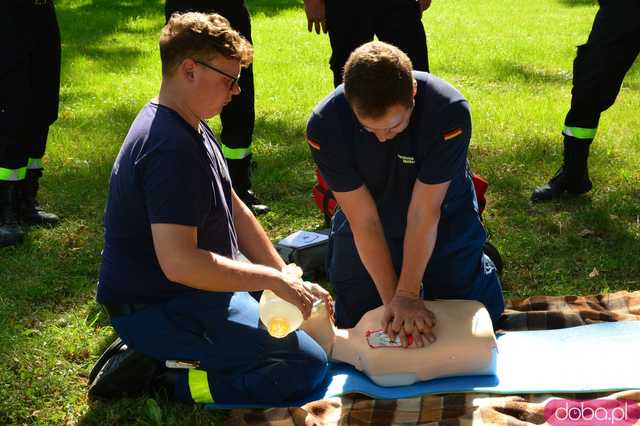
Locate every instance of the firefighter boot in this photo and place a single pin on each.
(10, 231)
(28, 208)
(240, 171)
(572, 177)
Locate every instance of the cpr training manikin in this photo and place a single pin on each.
(465, 344)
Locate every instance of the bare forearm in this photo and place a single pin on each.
(212, 272)
(420, 239)
(374, 254)
(252, 240)
(421, 233)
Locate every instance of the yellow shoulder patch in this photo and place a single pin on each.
(452, 134)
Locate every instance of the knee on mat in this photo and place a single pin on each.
(289, 380)
(492, 296)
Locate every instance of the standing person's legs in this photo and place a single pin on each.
(44, 75)
(15, 116)
(399, 22)
(350, 24)
(598, 71)
(238, 360)
(238, 116)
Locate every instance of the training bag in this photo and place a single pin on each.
(307, 249)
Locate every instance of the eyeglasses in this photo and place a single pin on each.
(234, 80)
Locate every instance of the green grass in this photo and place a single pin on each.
(511, 59)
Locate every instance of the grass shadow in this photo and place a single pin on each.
(558, 243)
(273, 7)
(527, 73)
(86, 27)
(578, 3)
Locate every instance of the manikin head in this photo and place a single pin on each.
(320, 327)
(379, 86)
(201, 59)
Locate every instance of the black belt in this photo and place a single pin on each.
(119, 309)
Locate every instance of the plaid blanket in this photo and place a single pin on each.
(534, 313)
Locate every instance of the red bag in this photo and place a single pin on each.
(324, 198)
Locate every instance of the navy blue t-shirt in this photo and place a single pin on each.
(166, 172)
(433, 148)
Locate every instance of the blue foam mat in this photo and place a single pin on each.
(589, 358)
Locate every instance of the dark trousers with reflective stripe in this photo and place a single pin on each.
(603, 61)
(238, 116)
(355, 22)
(29, 81)
(243, 364)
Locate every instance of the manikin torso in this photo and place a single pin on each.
(465, 344)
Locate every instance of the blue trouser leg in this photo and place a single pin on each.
(469, 274)
(239, 360)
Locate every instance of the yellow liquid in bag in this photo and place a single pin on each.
(278, 327)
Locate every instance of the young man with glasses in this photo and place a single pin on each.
(392, 144)
(238, 117)
(170, 276)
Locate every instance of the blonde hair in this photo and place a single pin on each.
(200, 36)
(377, 76)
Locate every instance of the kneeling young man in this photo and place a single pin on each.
(392, 144)
(174, 228)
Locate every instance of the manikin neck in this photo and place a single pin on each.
(334, 341)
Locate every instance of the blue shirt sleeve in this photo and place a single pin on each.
(445, 155)
(332, 154)
(175, 188)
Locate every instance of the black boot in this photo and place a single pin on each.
(29, 210)
(123, 372)
(240, 171)
(10, 231)
(572, 177)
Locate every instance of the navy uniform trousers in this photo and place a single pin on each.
(239, 361)
(457, 269)
(238, 116)
(601, 64)
(353, 23)
(29, 84)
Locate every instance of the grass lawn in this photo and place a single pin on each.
(512, 60)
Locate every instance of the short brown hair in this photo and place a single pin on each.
(377, 76)
(200, 36)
